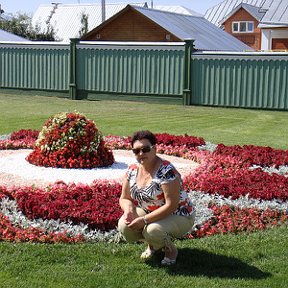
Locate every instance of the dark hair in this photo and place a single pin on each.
(143, 134)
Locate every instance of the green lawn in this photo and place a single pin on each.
(247, 260)
(217, 125)
(251, 260)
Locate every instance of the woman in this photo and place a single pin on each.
(155, 208)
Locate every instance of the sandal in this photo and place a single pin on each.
(168, 261)
(147, 253)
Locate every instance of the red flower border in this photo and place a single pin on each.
(226, 171)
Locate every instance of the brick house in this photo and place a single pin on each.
(141, 24)
(261, 24)
(243, 23)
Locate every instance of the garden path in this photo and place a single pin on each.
(16, 171)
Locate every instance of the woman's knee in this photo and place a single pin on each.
(154, 232)
(129, 234)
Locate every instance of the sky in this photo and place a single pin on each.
(30, 6)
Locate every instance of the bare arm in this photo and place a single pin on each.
(126, 202)
(172, 198)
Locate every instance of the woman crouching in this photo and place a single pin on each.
(156, 209)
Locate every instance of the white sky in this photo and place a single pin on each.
(30, 6)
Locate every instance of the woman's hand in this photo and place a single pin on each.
(129, 216)
(137, 224)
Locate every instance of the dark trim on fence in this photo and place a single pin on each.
(187, 85)
(151, 98)
(73, 67)
(35, 92)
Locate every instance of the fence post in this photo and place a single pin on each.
(187, 72)
(73, 59)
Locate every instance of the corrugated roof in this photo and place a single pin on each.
(177, 9)
(218, 12)
(256, 12)
(277, 13)
(66, 18)
(7, 36)
(206, 35)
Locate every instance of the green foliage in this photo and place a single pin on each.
(84, 24)
(21, 25)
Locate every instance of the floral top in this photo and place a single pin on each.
(151, 197)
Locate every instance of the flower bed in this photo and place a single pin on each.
(70, 140)
(232, 189)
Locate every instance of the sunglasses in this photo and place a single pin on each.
(145, 149)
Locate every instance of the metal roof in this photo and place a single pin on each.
(66, 18)
(256, 12)
(277, 13)
(177, 9)
(218, 12)
(206, 35)
(7, 36)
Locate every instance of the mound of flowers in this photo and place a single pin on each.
(235, 189)
(70, 140)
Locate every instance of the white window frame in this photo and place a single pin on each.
(239, 23)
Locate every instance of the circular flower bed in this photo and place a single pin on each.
(235, 189)
(69, 140)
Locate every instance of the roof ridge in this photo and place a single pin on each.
(168, 12)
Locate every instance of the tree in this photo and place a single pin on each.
(21, 25)
(84, 23)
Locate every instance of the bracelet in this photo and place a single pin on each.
(145, 220)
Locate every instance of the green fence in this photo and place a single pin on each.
(257, 80)
(143, 71)
(34, 66)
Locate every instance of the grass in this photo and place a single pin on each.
(247, 260)
(217, 125)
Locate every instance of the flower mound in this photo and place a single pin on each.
(70, 140)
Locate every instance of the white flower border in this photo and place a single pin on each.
(10, 209)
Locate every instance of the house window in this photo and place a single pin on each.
(243, 27)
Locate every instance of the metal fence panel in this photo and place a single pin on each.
(128, 70)
(248, 81)
(40, 67)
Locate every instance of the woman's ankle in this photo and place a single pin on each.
(171, 252)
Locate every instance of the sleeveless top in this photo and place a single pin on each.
(151, 197)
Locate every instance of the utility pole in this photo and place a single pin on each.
(103, 10)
